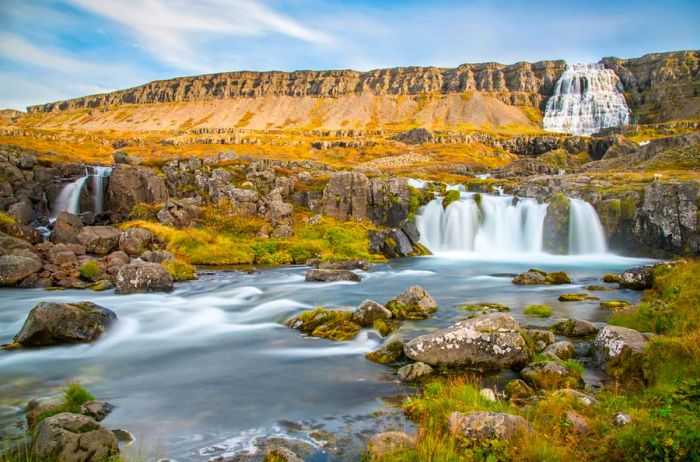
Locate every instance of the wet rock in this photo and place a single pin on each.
(66, 229)
(538, 339)
(98, 410)
(487, 425)
(99, 240)
(281, 454)
(538, 277)
(389, 353)
(73, 438)
(560, 350)
(611, 278)
(638, 278)
(51, 323)
(324, 275)
(615, 305)
(551, 375)
(385, 444)
(518, 390)
(414, 372)
(368, 312)
(491, 341)
(575, 297)
(621, 351)
(575, 327)
(135, 241)
(346, 265)
(123, 436)
(143, 277)
(414, 303)
(38, 406)
(157, 256)
(101, 285)
(330, 324)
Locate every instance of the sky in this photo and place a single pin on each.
(57, 49)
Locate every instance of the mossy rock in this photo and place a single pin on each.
(551, 375)
(556, 225)
(517, 390)
(330, 324)
(594, 287)
(484, 307)
(339, 330)
(615, 305)
(575, 327)
(389, 353)
(611, 278)
(558, 277)
(577, 297)
(420, 250)
(385, 327)
(450, 197)
(542, 311)
(413, 304)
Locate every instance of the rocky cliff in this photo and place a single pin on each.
(529, 83)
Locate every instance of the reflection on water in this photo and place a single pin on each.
(210, 362)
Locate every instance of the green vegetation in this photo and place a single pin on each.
(450, 197)
(330, 324)
(486, 306)
(574, 297)
(90, 269)
(73, 397)
(542, 311)
(615, 305)
(611, 278)
(180, 270)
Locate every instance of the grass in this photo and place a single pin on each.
(90, 269)
(180, 270)
(542, 311)
(74, 396)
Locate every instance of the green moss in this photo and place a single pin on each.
(611, 278)
(628, 208)
(90, 269)
(556, 224)
(615, 305)
(389, 353)
(558, 277)
(180, 270)
(450, 197)
(594, 287)
(339, 330)
(574, 297)
(385, 327)
(330, 324)
(542, 311)
(486, 306)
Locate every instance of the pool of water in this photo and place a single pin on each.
(205, 370)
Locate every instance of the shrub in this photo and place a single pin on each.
(143, 211)
(73, 397)
(180, 270)
(90, 269)
(542, 311)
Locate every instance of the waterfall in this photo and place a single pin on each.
(98, 174)
(586, 99)
(483, 224)
(586, 234)
(68, 199)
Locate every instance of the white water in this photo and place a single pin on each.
(586, 235)
(68, 199)
(586, 99)
(495, 226)
(98, 175)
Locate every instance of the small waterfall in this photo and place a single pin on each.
(98, 174)
(586, 99)
(483, 224)
(586, 235)
(68, 199)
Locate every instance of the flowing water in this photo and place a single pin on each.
(586, 99)
(99, 174)
(586, 235)
(202, 371)
(68, 199)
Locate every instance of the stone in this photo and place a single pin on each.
(538, 339)
(123, 436)
(562, 350)
(135, 241)
(73, 438)
(551, 375)
(345, 196)
(389, 353)
(638, 278)
(118, 258)
(621, 419)
(414, 372)
(575, 327)
(16, 265)
(38, 406)
(517, 390)
(488, 394)
(66, 229)
(179, 213)
(385, 444)
(346, 265)
(143, 277)
(621, 352)
(579, 396)
(414, 303)
(368, 312)
(130, 185)
(98, 410)
(52, 323)
(487, 425)
(490, 341)
(579, 424)
(101, 285)
(99, 240)
(324, 275)
(530, 277)
(22, 212)
(281, 454)
(157, 256)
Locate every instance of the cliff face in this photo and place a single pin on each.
(660, 86)
(530, 84)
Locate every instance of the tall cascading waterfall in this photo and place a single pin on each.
(483, 224)
(68, 199)
(586, 99)
(586, 235)
(99, 174)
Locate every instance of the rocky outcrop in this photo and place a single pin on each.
(99, 240)
(143, 277)
(637, 278)
(134, 241)
(51, 323)
(73, 438)
(130, 185)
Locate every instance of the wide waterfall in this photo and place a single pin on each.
(68, 199)
(483, 223)
(586, 99)
(586, 235)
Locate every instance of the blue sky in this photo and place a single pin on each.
(57, 49)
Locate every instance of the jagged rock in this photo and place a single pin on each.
(551, 375)
(487, 425)
(345, 196)
(276, 210)
(98, 410)
(66, 229)
(560, 350)
(621, 351)
(414, 372)
(539, 339)
(490, 341)
(143, 277)
(22, 212)
(134, 241)
(368, 312)
(638, 278)
(575, 327)
(417, 135)
(324, 275)
(73, 438)
(99, 240)
(157, 256)
(51, 323)
(179, 212)
(413, 303)
(385, 444)
(130, 185)
(245, 199)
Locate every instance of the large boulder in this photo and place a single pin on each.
(638, 278)
(16, 265)
(326, 275)
(368, 312)
(487, 425)
(135, 241)
(143, 277)
(621, 352)
(490, 341)
(551, 375)
(414, 303)
(99, 240)
(575, 327)
(130, 185)
(52, 323)
(66, 228)
(73, 438)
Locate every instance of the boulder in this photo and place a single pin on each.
(638, 278)
(534, 276)
(389, 353)
(38, 406)
(368, 312)
(52, 323)
(135, 241)
(621, 351)
(99, 240)
(73, 438)
(551, 375)
(575, 327)
(490, 341)
(281, 454)
(579, 396)
(157, 256)
(330, 324)
(98, 410)
(487, 425)
(22, 212)
(324, 275)
(143, 277)
(577, 423)
(560, 350)
(16, 265)
(130, 185)
(518, 390)
(66, 228)
(179, 212)
(414, 372)
(413, 303)
(385, 444)
(538, 339)
(346, 265)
